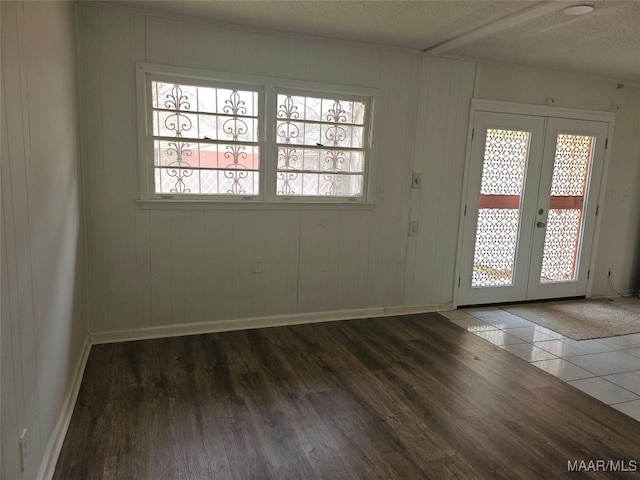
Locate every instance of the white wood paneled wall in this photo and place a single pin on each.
(168, 267)
(439, 156)
(43, 261)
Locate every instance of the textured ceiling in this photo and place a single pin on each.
(412, 24)
(605, 42)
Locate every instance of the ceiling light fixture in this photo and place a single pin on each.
(578, 10)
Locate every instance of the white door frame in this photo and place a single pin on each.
(479, 105)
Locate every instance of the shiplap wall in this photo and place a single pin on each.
(43, 262)
(443, 118)
(619, 240)
(167, 267)
(170, 267)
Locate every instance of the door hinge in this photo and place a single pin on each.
(597, 210)
(473, 133)
(458, 282)
(465, 210)
(606, 143)
(588, 274)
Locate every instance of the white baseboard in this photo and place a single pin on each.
(259, 322)
(50, 457)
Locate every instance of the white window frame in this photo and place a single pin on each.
(366, 141)
(268, 88)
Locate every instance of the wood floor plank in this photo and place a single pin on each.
(389, 398)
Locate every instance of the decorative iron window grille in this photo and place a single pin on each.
(205, 140)
(321, 146)
(211, 136)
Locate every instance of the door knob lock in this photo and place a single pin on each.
(541, 224)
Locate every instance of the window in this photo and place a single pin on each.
(205, 140)
(320, 146)
(211, 137)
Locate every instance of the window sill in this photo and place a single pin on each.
(167, 204)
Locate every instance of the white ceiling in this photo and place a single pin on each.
(605, 42)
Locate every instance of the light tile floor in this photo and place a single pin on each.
(606, 368)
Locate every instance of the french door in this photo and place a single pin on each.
(530, 208)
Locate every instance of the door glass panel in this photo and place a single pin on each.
(564, 223)
(503, 174)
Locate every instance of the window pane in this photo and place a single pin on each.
(206, 155)
(238, 182)
(208, 169)
(319, 184)
(192, 98)
(572, 163)
(561, 245)
(175, 124)
(291, 158)
(174, 180)
(339, 136)
(294, 107)
(505, 159)
(503, 174)
(174, 97)
(324, 135)
(204, 126)
(495, 249)
(195, 117)
(320, 142)
(206, 182)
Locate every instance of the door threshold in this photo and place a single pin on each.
(520, 302)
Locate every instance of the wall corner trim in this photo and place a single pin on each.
(54, 446)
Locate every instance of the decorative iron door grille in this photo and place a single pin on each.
(531, 207)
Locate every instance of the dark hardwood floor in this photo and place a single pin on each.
(409, 397)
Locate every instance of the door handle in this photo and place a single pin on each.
(541, 224)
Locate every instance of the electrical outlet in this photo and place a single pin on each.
(23, 450)
(413, 228)
(258, 265)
